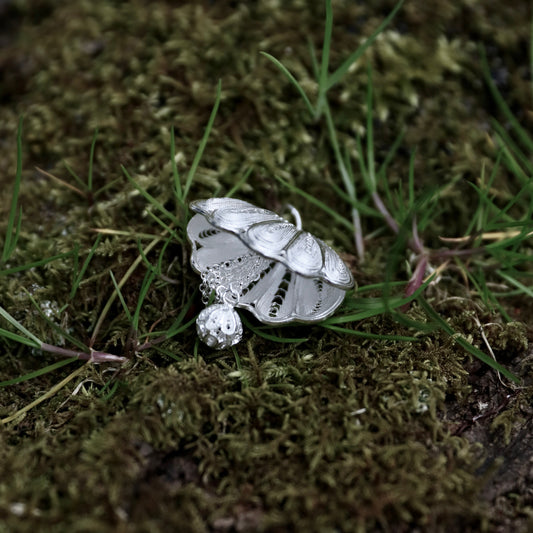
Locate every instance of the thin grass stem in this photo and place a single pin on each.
(91, 161)
(324, 64)
(121, 283)
(20, 327)
(14, 219)
(48, 394)
(285, 71)
(354, 56)
(203, 143)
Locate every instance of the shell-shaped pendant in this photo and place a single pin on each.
(255, 259)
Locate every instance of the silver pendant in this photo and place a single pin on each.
(254, 259)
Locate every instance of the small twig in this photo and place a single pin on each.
(458, 240)
(62, 182)
(489, 348)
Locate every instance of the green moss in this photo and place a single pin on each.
(338, 439)
(339, 433)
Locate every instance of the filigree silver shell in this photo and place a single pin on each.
(256, 260)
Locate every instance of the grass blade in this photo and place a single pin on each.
(240, 183)
(324, 65)
(367, 335)
(274, 338)
(203, 143)
(370, 131)
(502, 104)
(293, 80)
(38, 373)
(80, 182)
(149, 197)
(112, 297)
(348, 182)
(175, 173)
(53, 325)
(14, 322)
(34, 264)
(145, 287)
(48, 394)
(470, 348)
(311, 199)
(81, 273)
(523, 289)
(353, 57)
(13, 221)
(17, 338)
(91, 160)
(166, 227)
(121, 297)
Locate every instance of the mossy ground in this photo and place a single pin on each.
(337, 433)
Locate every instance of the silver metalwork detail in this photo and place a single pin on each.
(254, 259)
(219, 326)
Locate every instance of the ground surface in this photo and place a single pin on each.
(334, 433)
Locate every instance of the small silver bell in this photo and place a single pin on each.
(219, 326)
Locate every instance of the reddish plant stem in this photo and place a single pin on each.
(418, 275)
(93, 356)
(378, 202)
(416, 244)
(151, 343)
